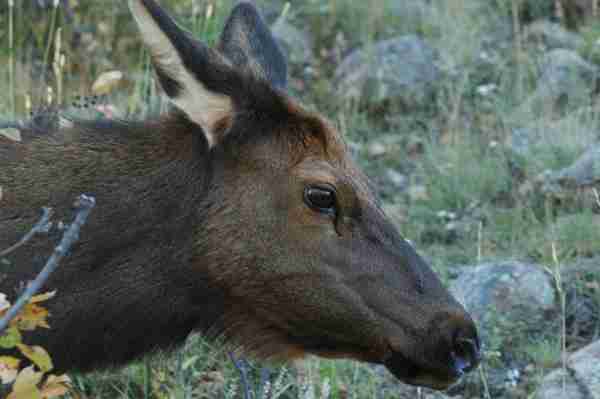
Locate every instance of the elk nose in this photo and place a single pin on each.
(466, 353)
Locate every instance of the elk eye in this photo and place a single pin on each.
(320, 198)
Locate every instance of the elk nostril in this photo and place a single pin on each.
(466, 354)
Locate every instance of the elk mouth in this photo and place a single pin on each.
(399, 365)
(412, 373)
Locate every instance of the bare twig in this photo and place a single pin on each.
(17, 124)
(483, 376)
(479, 242)
(241, 368)
(562, 298)
(41, 227)
(264, 388)
(597, 197)
(518, 45)
(85, 204)
(11, 56)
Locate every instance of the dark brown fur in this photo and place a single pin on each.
(201, 224)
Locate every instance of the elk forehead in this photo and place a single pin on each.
(327, 158)
(320, 138)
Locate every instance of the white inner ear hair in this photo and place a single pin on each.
(202, 106)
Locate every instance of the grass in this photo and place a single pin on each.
(455, 150)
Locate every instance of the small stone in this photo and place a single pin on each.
(418, 193)
(398, 180)
(487, 89)
(376, 149)
(107, 82)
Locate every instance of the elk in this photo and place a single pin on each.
(238, 214)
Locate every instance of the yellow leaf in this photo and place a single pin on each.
(9, 368)
(31, 317)
(106, 82)
(56, 386)
(25, 386)
(42, 297)
(37, 355)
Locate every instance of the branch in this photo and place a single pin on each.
(240, 365)
(41, 227)
(84, 204)
(11, 124)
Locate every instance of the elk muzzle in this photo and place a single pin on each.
(452, 349)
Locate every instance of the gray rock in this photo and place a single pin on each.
(561, 69)
(584, 171)
(355, 148)
(297, 44)
(418, 192)
(397, 179)
(566, 82)
(376, 149)
(400, 69)
(573, 134)
(386, 144)
(552, 35)
(581, 380)
(504, 296)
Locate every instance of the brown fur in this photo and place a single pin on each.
(217, 237)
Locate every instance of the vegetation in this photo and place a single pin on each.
(470, 196)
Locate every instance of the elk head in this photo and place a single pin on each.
(291, 234)
(295, 235)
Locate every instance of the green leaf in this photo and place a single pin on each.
(37, 355)
(10, 338)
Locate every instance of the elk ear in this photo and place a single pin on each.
(192, 75)
(249, 44)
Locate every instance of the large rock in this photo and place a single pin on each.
(572, 134)
(562, 69)
(401, 69)
(581, 379)
(566, 81)
(296, 43)
(505, 296)
(553, 35)
(581, 177)
(583, 172)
